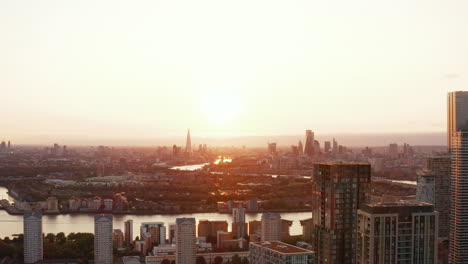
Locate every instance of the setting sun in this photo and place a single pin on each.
(220, 106)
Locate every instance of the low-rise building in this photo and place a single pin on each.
(276, 252)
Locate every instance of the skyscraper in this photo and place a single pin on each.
(271, 227)
(186, 248)
(272, 148)
(338, 191)
(32, 225)
(103, 248)
(397, 233)
(239, 226)
(457, 114)
(300, 148)
(188, 143)
(128, 232)
(327, 147)
(457, 125)
(309, 148)
(335, 146)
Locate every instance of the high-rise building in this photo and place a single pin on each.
(439, 166)
(172, 231)
(186, 248)
(397, 233)
(393, 149)
(279, 253)
(425, 189)
(338, 191)
(327, 147)
(457, 114)
(32, 228)
(457, 125)
(239, 226)
(300, 148)
(103, 248)
(271, 227)
(157, 230)
(188, 143)
(272, 148)
(309, 148)
(335, 146)
(434, 187)
(128, 232)
(8, 145)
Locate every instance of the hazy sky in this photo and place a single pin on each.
(141, 69)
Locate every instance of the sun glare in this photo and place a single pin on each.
(220, 106)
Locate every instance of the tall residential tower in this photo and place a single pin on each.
(32, 225)
(338, 191)
(103, 247)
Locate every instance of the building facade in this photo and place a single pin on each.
(403, 233)
(271, 227)
(185, 236)
(157, 230)
(276, 252)
(32, 228)
(103, 247)
(338, 191)
(128, 229)
(434, 187)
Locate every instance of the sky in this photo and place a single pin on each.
(109, 70)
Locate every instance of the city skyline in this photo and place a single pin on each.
(81, 78)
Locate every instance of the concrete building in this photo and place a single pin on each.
(271, 227)
(172, 231)
(185, 236)
(128, 229)
(52, 204)
(276, 252)
(239, 226)
(157, 231)
(306, 229)
(32, 229)
(209, 229)
(439, 167)
(338, 191)
(425, 190)
(108, 204)
(285, 227)
(118, 238)
(397, 233)
(103, 248)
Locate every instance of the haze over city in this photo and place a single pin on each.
(234, 132)
(125, 73)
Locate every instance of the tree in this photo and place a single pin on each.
(245, 260)
(218, 260)
(166, 261)
(201, 260)
(61, 238)
(50, 238)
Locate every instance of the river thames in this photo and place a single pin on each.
(67, 223)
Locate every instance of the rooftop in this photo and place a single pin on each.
(401, 208)
(281, 247)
